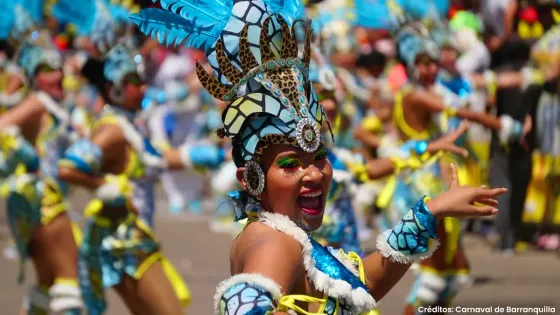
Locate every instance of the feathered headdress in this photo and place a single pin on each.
(252, 47)
(411, 33)
(118, 62)
(38, 50)
(333, 21)
(19, 18)
(378, 14)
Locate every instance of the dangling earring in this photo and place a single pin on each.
(415, 74)
(116, 94)
(254, 178)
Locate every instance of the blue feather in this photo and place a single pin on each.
(80, 13)
(289, 9)
(374, 14)
(7, 18)
(34, 8)
(119, 13)
(207, 11)
(171, 29)
(196, 23)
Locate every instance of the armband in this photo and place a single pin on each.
(408, 241)
(246, 294)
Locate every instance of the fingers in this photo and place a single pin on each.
(488, 202)
(482, 193)
(483, 211)
(463, 127)
(454, 177)
(457, 150)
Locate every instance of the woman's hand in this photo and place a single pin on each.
(447, 142)
(459, 201)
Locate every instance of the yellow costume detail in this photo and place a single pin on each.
(288, 302)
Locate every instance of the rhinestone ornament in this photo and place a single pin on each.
(308, 135)
(252, 170)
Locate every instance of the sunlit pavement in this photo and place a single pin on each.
(202, 258)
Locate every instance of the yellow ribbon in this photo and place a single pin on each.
(414, 162)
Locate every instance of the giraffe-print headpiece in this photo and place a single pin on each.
(252, 48)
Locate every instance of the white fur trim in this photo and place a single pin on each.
(108, 192)
(341, 176)
(527, 74)
(507, 128)
(462, 282)
(53, 107)
(349, 264)
(12, 130)
(432, 281)
(10, 100)
(489, 77)
(359, 299)
(185, 153)
(395, 256)
(65, 297)
(38, 299)
(253, 278)
(135, 139)
(426, 295)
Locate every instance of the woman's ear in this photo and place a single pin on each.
(241, 178)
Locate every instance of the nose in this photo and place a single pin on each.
(313, 175)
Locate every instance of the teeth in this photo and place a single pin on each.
(313, 194)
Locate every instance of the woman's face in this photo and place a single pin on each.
(427, 69)
(297, 184)
(49, 80)
(133, 89)
(448, 58)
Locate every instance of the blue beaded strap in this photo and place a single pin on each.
(420, 147)
(408, 241)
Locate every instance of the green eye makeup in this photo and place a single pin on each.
(46, 68)
(288, 162)
(321, 154)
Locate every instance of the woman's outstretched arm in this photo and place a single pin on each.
(386, 267)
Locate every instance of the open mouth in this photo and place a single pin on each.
(311, 202)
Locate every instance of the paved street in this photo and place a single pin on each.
(532, 279)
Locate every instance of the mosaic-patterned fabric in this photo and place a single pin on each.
(411, 235)
(246, 299)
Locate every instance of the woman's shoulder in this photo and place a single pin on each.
(260, 243)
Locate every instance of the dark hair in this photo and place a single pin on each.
(372, 59)
(236, 147)
(7, 48)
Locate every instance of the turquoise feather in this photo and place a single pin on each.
(34, 8)
(170, 29)
(195, 23)
(374, 14)
(119, 13)
(80, 13)
(290, 10)
(7, 18)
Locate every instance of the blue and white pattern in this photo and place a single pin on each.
(85, 156)
(118, 63)
(246, 299)
(408, 241)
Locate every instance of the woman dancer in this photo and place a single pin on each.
(274, 122)
(38, 220)
(119, 249)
